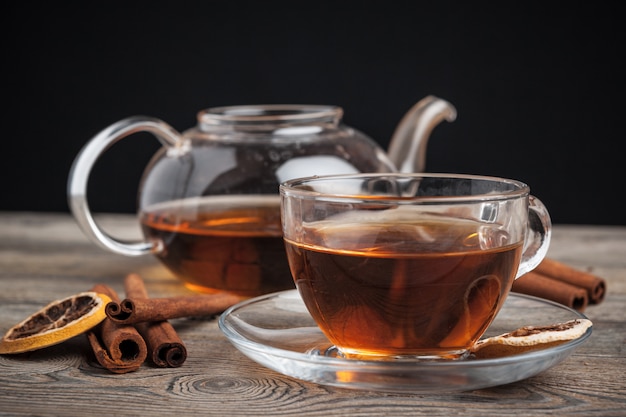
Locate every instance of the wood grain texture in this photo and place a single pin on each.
(44, 257)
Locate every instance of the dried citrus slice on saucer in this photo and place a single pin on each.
(58, 321)
(529, 338)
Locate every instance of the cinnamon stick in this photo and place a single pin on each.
(594, 285)
(138, 309)
(165, 346)
(117, 347)
(539, 285)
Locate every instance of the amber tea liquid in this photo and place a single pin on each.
(231, 243)
(432, 291)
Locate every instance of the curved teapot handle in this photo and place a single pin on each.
(81, 168)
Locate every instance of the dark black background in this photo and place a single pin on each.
(538, 88)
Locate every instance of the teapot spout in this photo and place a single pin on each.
(407, 148)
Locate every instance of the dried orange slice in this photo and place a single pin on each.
(529, 338)
(58, 321)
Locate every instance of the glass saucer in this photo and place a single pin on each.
(277, 331)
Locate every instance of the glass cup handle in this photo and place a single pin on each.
(81, 168)
(538, 234)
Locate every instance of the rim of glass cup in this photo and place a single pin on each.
(291, 188)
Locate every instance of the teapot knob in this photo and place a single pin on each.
(407, 148)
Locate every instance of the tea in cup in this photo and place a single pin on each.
(403, 266)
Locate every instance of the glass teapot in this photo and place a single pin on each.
(208, 199)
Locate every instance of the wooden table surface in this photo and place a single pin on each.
(44, 257)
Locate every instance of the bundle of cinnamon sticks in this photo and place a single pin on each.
(137, 327)
(559, 282)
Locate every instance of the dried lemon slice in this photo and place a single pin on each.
(529, 338)
(56, 322)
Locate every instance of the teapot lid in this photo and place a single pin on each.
(269, 116)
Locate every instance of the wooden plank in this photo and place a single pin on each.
(45, 256)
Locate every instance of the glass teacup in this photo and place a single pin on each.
(395, 266)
